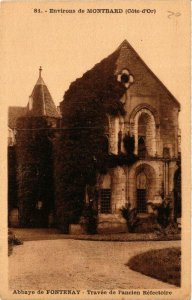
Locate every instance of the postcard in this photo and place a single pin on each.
(95, 150)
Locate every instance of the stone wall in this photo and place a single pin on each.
(118, 194)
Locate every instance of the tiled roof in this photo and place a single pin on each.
(41, 102)
(144, 77)
(15, 112)
(123, 58)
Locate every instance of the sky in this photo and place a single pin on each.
(67, 45)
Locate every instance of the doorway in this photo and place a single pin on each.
(141, 192)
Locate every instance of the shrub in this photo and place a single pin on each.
(163, 212)
(88, 220)
(12, 241)
(148, 225)
(130, 215)
(163, 216)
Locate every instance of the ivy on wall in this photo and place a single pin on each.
(80, 150)
(12, 185)
(34, 171)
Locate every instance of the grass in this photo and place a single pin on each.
(34, 234)
(162, 264)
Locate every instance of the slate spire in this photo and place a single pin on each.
(40, 101)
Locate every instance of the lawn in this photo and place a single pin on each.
(162, 264)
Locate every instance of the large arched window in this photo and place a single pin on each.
(145, 133)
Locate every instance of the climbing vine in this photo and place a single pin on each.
(79, 154)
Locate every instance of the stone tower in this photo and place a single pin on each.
(35, 131)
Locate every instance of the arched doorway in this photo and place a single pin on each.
(141, 192)
(143, 186)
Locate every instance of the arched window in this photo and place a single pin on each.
(145, 133)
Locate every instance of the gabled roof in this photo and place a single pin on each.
(41, 102)
(124, 57)
(130, 58)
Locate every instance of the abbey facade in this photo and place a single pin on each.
(151, 118)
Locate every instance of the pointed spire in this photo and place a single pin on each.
(40, 79)
(40, 70)
(40, 101)
(124, 44)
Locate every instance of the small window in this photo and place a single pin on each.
(105, 207)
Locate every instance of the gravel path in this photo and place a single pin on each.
(75, 264)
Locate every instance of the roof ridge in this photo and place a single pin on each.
(126, 44)
(123, 44)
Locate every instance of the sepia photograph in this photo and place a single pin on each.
(96, 152)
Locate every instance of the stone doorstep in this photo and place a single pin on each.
(103, 227)
(107, 223)
(75, 229)
(112, 227)
(111, 218)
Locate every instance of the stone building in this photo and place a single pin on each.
(31, 186)
(152, 119)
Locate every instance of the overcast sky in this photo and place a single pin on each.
(67, 45)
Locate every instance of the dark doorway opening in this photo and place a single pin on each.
(141, 200)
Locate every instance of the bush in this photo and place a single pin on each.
(88, 220)
(130, 215)
(163, 212)
(163, 216)
(12, 241)
(148, 225)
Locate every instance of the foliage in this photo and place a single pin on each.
(162, 264)
(98, 85)
(130, 215)
(79, 150)
(148, 224)
(12, 185)
(163, 212)
(177, 192)
(163, 217)
(12, 241)
(34, 170)
(88, 220)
